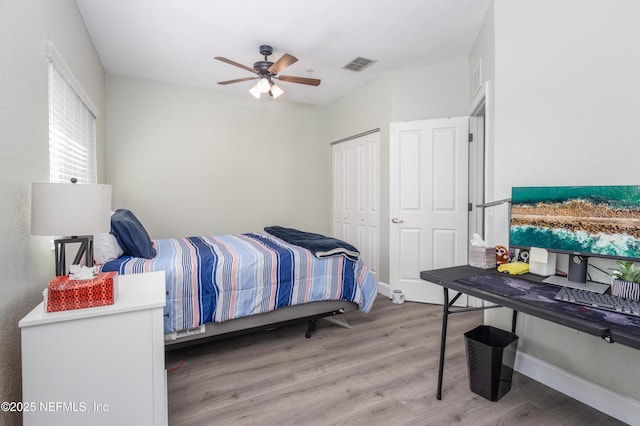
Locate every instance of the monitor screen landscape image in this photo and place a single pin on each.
(601, 221)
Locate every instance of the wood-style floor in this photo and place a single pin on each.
(382, 371)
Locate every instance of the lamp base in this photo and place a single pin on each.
(85, 249)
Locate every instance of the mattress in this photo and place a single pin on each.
(224, 277)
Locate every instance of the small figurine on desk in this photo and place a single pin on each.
(502, 255)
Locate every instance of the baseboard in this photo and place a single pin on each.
(602, 399)
(384, 289)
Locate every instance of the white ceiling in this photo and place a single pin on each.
(175, 41)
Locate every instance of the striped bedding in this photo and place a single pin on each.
(218, 278)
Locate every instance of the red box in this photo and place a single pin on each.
(64, 294)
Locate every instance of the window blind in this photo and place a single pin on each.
(72, 117)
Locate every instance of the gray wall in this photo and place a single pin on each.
(27, 262)
(193, 161)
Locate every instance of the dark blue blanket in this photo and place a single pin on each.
(319, 245)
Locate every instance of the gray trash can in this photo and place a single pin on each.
(491, 355)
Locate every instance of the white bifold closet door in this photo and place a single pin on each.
(355, 194)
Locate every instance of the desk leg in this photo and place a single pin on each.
(443, 341)
(514, 320)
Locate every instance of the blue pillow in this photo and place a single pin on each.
(131, 235)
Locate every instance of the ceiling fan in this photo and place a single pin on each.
(267, 71)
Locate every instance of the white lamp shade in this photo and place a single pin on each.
(255, 91)
(70, 209)
(263, 85)
(276, 91)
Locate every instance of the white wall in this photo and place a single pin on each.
(567, 96)
(27, 262)
(483, 56)
(434, 91)
(191, 161)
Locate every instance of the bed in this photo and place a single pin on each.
(229, 284)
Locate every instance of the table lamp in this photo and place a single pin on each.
(74, 212)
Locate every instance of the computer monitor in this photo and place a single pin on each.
(581, 221)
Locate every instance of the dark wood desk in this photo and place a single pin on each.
(527, 294)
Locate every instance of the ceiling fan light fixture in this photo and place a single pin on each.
(276, 91)
(255, 91)
(263, 85)
(265, 71)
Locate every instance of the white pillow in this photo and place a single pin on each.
(105, 248)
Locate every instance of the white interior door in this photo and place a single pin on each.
(356, 195)
(428, 203)
(367, 223)
(343, 204)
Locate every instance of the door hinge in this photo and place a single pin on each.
(470, 137)
(470, 207)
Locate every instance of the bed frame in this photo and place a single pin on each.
(310, 312)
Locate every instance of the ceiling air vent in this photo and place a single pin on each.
(358, 64)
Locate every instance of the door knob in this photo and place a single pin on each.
(396, 220)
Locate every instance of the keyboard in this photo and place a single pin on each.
(607, 302)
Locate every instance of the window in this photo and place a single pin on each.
(72, 122)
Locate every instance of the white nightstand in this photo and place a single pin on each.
(98, 366)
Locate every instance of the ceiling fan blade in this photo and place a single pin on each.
(234, 63)
(301, 80)
(237, 80)
(284, 61)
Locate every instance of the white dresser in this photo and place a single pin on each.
(98, 366)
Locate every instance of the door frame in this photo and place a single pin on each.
(477, 182)
(478, 167)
